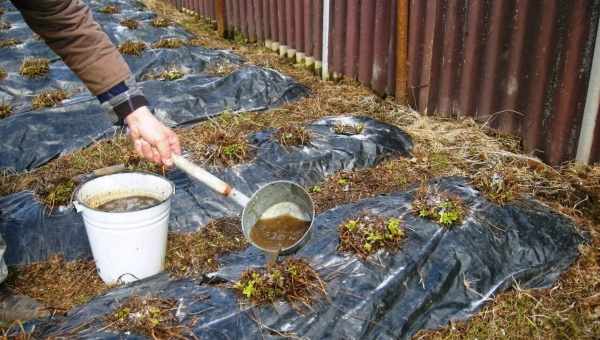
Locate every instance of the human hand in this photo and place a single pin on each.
(151, 138)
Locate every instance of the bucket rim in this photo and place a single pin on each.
(140, 172)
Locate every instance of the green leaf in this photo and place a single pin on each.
(249, 289)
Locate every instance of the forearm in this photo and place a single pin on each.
(67, 26)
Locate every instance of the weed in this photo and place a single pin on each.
(48, 98)
(315, 189)
(170, 74)
(366, 234)
(445, 209)
(348, 129)
(292, 280)
(130, 47)
(498, 185)
(153, 317)
(221, 68)
(58, 193)
(168, 43)
(219, 146)
(160, 22)
(192, 255)
(343, 181)
(292, 135)
(4, 25)
(130, 24)
(110, 9)
(239, 38)
(34, 67)
(5, 110)
(9, 42)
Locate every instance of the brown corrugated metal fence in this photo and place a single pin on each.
(522, 66)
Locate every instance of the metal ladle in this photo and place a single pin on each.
(275, 199)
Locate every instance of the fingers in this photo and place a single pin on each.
(164, 149)
(137, 144)
(147, 150)
(174, 142)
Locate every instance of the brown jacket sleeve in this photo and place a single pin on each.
(69, 29)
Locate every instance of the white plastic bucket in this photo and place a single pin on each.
(132, 245)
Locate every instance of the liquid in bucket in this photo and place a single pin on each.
(126, 204)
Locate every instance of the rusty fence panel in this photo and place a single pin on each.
(520, 66)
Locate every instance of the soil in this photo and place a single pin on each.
(366, 234)
(196, 254)
(292, 280)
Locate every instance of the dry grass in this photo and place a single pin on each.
(168, 43)
(220, 69)
(110, 9)
(130, 47)
(153, 317)
(442, 147)
(159, 22)
(34, 67)
(9, 42)
(5, 110)
(52, 182)
(366, 234)
(348, 129)
(292, 135)
(49, 98)
(170, 74)
(3, 73)
(193, 255)
(4, 25)
(219, 143)
(58, 284)
(292, 280)
(130, 24)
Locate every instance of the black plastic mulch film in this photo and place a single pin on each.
(33, 235)
(438, 274)
(31, 137)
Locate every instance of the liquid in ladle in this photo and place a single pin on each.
(275, 234)
(125, 204)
